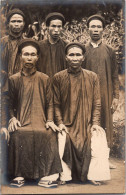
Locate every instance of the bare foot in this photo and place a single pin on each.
(96, 183)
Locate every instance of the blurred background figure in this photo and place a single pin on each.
(33, 31)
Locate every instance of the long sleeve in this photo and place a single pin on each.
(57, 101)
(49, 101)
(96, 111)
(115, 79)
(12, 97)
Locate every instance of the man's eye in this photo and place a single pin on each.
(78, 54)
(26, 54)
(33, 54)
(99, 26)
(53, 26)
(19, 21)
(13, 21)
(71, 54)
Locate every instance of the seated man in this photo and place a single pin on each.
(77, 112)
(33, 151)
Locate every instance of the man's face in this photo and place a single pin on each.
(16, 23)
(29, 56)
(55, 28)
(95, 29)
(75, 57)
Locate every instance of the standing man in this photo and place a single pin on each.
(77, 112)
(9, 65)
(101, 59)
(33, 150)
(10, 61)
(52, 59)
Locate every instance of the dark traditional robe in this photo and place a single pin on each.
(52, 58)
(102, 61)
(33, 151)
(10, 59)
(77, 106)
(10, 64)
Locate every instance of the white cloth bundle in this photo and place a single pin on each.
(99, 165)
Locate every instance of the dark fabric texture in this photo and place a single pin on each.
(102, 61)
(33, 150)
(77, 105)
(33, 154)
(52, 58)
(10, 60)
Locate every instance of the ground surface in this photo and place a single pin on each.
(115, 185)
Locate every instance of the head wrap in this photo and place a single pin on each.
(14, 11)
(93, 17)
(74, 44)
(54, 16)
(27, 42)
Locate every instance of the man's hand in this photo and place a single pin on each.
(62, 127)
(50, 124)
(114, 104)
(13, 124)
(6, 133)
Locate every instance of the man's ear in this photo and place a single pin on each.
(83, 58)
(88, 30)
(37, 57)
(47, 28)
(66, 58)
(24, 23)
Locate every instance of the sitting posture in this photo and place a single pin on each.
(77, 113)
(33, 150)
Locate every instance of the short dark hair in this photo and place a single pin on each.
(54, 16)
(93, 17)
(26, 42)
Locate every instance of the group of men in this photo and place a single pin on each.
(50, 104)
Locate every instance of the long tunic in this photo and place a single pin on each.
(102, 61)
(10, 64)
(77, 106)
(10, 59)
(52, 58)
(33, 150)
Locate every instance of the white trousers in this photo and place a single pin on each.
(66, 174)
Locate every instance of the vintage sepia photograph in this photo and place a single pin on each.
(62, 100)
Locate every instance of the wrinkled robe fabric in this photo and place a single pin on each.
(10, 59)
(77, 106)
(52, 58)
(10, 64)
(33, 150)
(102, 61)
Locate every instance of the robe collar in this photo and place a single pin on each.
(54, 42)
(31, 73)
(13, 36)
(95, 45)
(71, 71)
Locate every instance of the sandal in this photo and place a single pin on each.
(17, 182)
